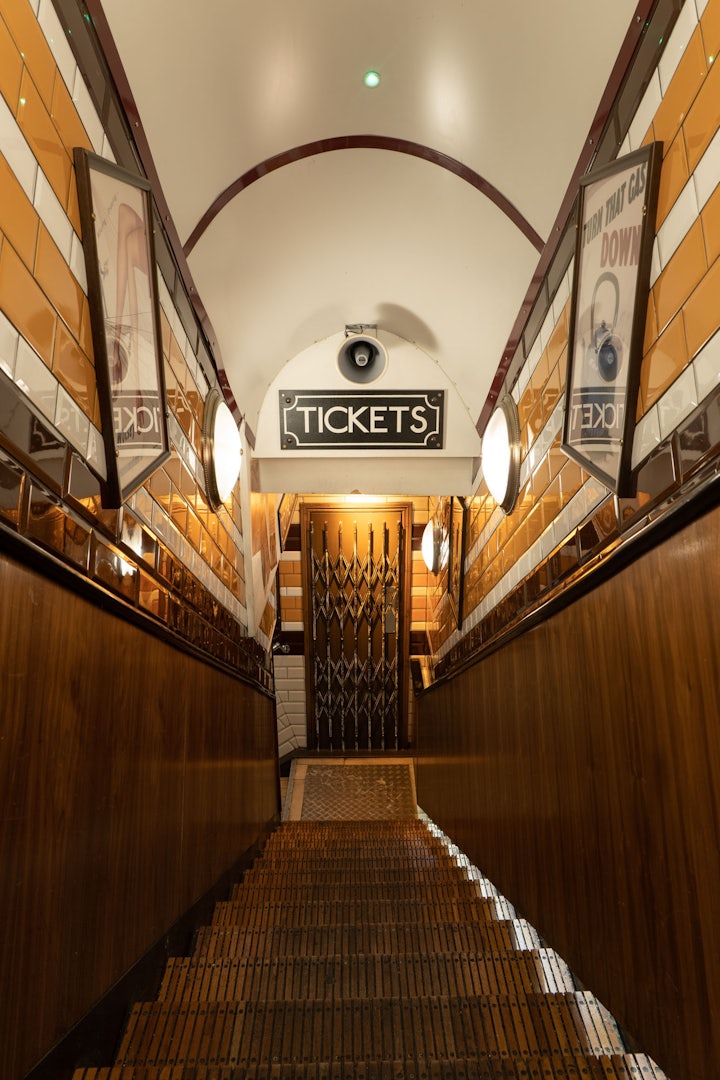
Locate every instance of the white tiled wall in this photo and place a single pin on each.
(290, 703)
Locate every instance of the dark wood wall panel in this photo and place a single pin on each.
(580, 767)
(131, 777)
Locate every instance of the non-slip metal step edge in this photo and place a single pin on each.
(246, 1033)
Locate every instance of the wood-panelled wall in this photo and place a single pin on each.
(580, 767)
(131, 777)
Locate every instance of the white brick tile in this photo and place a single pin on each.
(71, 420)
(678, 223)
(88, 114)
(55, 37)
(647, 436)
(707, 367)
(645, 112)
(54, 217)
(678, 43)
(16, 151)
(677, 402)
(8, 346)
(35, 380)
(707, 171)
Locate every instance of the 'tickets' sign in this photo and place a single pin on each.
(372, 419)
(612, 265)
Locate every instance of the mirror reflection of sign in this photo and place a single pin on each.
(122, 245)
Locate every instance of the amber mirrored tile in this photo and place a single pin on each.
(29, 439)
(152, 597)
(656, 479)
(109, 568)
(35, 122)
(46, 518)
(698, 437)
(18, 217)
(12, 483)
(137, 539)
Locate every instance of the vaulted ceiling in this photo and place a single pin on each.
(306, 201)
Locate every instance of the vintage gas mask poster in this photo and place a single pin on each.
(612, 261)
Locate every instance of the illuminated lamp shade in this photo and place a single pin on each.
(501, 454)
(222, 449)
(435, 547)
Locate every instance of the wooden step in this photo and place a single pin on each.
(358, 912)
(298, 873)
(248, 1033)
(435, 891)
(572, 1067)
(333, 978)
(350, 939)
(568, 1067)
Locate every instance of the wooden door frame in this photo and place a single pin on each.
(404, 509)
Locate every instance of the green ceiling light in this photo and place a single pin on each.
(371, 79)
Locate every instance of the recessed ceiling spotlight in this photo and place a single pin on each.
(371, 79)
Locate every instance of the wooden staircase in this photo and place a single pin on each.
(369, 950)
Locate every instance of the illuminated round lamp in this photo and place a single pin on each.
(435, 547)
(221, 449)
(501, 454)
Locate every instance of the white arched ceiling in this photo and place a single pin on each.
(507, 91)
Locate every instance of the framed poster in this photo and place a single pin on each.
(116, 218)
(456, 557)
(615, 236)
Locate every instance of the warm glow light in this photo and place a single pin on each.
(226, 451)
(435, 547)
(501, 454)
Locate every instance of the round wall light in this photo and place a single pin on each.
(435, 547)
(222, 449)
(501, 454)
(371, 79)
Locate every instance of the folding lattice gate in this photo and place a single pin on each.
(356, 610)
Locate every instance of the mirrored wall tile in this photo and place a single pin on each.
(53, 216)
(647, 436)
(679, 38)
(55, 37)
(9, 338)
(35, 380)
(677, 402)
(700, 6)
(95, 452)
(88, 114)
(560, 299)
(707, 367)
(546, 330)
(107, 151)
(16, 151)
(678, 223)
(645, 112)
(12, 480)
(707, 171)
(655, 265)
(77, 261)
(165, 299)
(71, 421)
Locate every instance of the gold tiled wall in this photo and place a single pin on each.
(165, 551)
(564, 517)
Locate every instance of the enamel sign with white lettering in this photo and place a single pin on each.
(373, 419)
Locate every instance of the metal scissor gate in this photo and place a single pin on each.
(355, 608)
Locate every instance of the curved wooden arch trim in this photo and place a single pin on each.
(364, 142)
